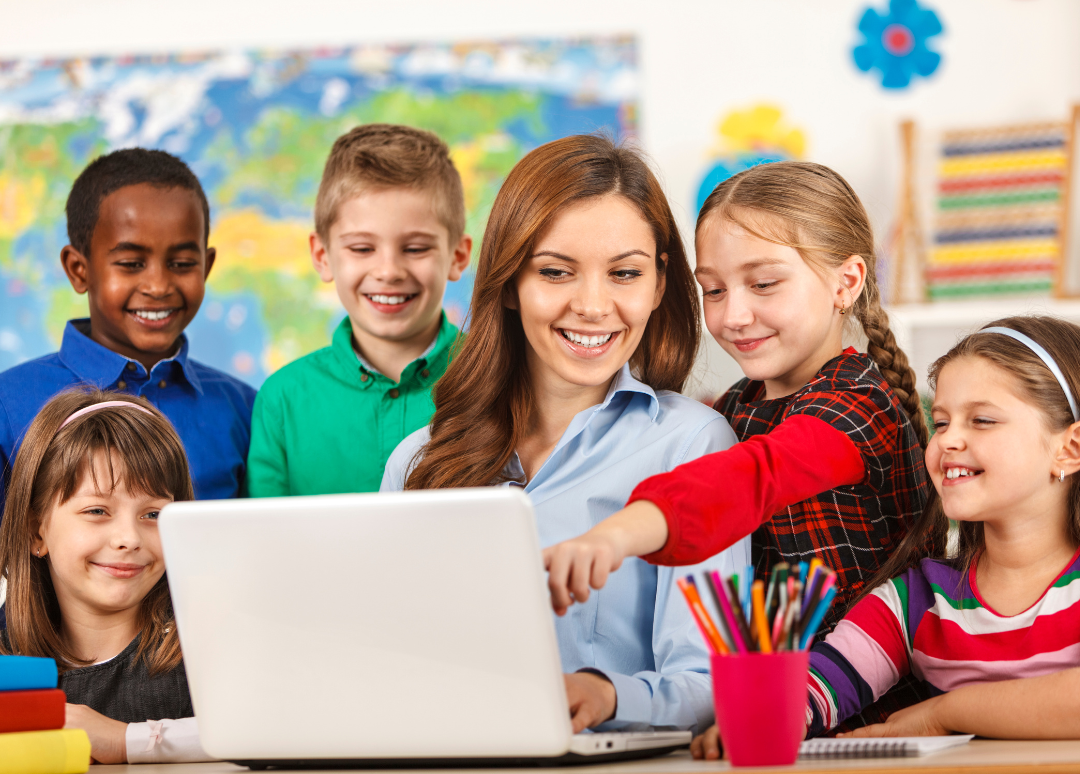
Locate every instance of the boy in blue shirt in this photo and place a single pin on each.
(138, 222)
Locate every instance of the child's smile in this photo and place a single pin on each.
(955, 474)
(390, 304)
(155, 319)
(119, 569)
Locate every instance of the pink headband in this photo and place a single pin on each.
(104, 404)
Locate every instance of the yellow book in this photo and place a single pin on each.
(66, 751)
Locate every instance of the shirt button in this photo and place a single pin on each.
(425, 373)
(394, 393)
(363, 377)
(121, 385)
(161, 384)
(131, 366)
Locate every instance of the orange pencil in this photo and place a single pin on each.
(701, 616)
(760, 620)
(713, 629)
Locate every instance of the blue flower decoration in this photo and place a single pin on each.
(895, 43)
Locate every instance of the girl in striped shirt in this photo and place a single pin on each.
(994, 631)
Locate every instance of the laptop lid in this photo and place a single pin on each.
(411, 624)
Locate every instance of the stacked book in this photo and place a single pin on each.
(33, 739)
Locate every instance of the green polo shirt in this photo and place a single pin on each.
(326, 423)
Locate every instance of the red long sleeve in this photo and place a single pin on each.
(715, 500)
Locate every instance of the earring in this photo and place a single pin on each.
(1061, 477)
(843, 308)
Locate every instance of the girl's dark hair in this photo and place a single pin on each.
(483, 402)
(1036, 385)
(141, 450)
(810, 208)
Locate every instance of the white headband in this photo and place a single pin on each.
(1037, 348)
(104, 404)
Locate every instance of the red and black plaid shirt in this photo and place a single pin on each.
(853, 529)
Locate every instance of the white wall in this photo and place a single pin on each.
(1004, 61)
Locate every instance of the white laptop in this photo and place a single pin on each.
(373, 630)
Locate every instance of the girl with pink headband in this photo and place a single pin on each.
(86, 585)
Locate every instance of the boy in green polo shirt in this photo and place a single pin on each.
(389, 233)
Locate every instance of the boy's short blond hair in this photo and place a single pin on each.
(379, 156)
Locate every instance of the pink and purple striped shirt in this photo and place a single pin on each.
(932, 622)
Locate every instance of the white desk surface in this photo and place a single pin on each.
(997, 757)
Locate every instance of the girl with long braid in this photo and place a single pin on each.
(830, 459)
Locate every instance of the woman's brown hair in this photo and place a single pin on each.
(1036, 385)
(483, 403)
(812, 209)
(141, 450)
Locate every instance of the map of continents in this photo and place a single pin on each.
(256, 128)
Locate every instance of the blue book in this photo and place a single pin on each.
(27, 673)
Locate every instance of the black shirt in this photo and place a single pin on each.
(124, 690)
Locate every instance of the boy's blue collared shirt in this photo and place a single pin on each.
(637, 630)
(210, 410)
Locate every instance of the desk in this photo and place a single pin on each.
(993, 756)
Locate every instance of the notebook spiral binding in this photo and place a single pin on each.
(871, 748)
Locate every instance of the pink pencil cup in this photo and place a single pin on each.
(760, 703)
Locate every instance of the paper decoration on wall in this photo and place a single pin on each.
(256, 128)
(895, 43)
(746, 138)
(1002, 211)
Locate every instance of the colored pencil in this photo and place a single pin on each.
(721, 646)
(761, 621)
(729, 614)
(721, 621)
(740, 621)
(813, 583)
(826, 584)
(705, 624)
(771, 593)
(811, 627)
(747, 590)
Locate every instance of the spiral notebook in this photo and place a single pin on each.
(880, 747)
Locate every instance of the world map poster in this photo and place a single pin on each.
(256, 128)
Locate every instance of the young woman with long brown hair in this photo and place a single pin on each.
(86, 586)
(583, 325)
